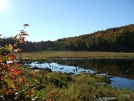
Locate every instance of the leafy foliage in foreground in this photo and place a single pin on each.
(12, 84)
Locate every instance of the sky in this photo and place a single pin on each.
(55, 19)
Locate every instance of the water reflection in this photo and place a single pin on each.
(121, 70)
(55, 67)
(122, 83)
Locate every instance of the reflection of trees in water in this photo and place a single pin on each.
(122, 68)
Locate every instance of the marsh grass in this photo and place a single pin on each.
(82, 87)
(75, 87)
(44, 55)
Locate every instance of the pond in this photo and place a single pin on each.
(120, 71)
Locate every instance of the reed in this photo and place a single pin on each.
(44, 55)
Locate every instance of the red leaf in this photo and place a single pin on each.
(0, 59)
(52, 93)
(7, 67)
(8, 91)
(11, 57)
(20, 79)
(16, 64)
(15, 72)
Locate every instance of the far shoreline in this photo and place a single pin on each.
(74, 55)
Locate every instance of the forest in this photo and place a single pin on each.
(118, 39)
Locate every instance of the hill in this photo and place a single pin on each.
(112, 39)
(118, 39)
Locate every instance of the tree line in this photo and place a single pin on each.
(119, 39)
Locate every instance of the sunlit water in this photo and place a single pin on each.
(117, 82)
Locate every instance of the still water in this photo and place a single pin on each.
(121, 71)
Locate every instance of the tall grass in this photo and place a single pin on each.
(78, 54)
(76, 87)
(82, 87)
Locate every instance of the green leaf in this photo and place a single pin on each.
(38, 92)
(4, 59)
(43, 95)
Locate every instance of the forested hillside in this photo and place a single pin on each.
(119, 39)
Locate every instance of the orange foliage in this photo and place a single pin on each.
(20, 80)
(16, 64)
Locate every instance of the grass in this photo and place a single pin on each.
(79, 54)
(75, 87)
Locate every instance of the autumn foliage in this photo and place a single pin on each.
(14, 86)
(10, 78)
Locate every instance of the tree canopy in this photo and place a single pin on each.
(118, 39)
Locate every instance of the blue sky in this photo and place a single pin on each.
(55, 19)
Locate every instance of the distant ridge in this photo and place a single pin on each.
(111, 39)
(117, 39)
